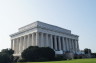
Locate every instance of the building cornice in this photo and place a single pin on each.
(45, 26)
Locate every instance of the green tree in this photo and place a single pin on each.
(47, 53)
(34, 53)
(8, 51)
(31, 53)
(87, 51)
(6, 56)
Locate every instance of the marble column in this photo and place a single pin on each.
(16, 46)
(72, 45)
(19, 40)
(59, 43)
(42, 40)
(23, 42)
(19, 45)
(67, 44)
(47, 43)
(63, 41)
(77, 45)
(32, 39)
(55, 42)
(12, 44)
(27, 40)
(37, 39)
(51, 41)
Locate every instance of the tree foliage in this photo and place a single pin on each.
(8, 51)
(30, 53)
(47, 52)
(34, 53)
(87, 51)
(6, 56)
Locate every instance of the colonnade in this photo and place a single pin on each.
(44, 40)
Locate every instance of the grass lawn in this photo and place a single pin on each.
(93, 60)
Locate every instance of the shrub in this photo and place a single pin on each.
(59, 57)
(34, 53)
(4, 58)
(69, 55)
(87, 51)
(31, 53)
(22, 60)
(47, 52)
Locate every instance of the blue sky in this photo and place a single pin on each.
(79, 16)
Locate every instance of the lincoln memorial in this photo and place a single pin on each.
(44, 35)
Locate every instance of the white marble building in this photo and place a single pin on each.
(44, 35)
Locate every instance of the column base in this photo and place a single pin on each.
(16, 54)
